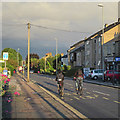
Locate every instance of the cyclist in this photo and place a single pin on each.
(78, 77)
(60, 79)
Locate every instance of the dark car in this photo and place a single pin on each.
(110, 75)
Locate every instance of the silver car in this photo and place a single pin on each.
(31, 71)
(97, 73)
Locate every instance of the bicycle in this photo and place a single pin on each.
(79, 85)
(60, 89)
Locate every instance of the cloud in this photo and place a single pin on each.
(83, 16)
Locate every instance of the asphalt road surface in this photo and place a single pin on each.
(97, 101)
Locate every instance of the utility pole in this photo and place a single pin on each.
(28, 52)
(56, 55)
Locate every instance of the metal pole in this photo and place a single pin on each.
(100, 5)
(56, 55)
(5, 64)
(28, 52)
(103, 38)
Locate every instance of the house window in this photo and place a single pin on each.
(108, 49)
(99, 50)
(87, 52)
(99, 42)
(74, 56)
(94, 41)
(88, 42)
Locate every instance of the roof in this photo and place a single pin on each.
(95, 34)
(77, 43)
(65, 56)
(105, 30)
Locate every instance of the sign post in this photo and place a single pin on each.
(5, 57)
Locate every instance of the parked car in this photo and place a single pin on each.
(31, 71)
(96, 73)
(110, 75)
(20, 68)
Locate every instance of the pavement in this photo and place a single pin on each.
(32, 101)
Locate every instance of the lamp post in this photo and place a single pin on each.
(100, 5)
(28, 52)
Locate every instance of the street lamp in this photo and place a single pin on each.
(28, 72)
(100, 5)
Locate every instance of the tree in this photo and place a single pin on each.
(58, 62)
(12, 57)
(42, 63)
(32, 55)
(12, 61)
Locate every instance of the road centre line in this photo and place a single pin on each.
(76, 98)
(117, 102)
(105, 98)
(90, 97)
(68, 84)
(82, 97)
(101, 93)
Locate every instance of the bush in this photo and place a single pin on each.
(68, 67)
(71, 72)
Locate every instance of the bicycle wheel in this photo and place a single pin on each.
(60, 91)
(80, 88)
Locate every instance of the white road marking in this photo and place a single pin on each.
(101, 93)
(90, 97)
(117, 102)
(76, 98)
(68, 84)
(105, 98)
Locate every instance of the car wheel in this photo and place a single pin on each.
(95, 77)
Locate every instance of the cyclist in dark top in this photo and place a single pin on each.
(60, 79)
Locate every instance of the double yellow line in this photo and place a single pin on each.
(80, 115)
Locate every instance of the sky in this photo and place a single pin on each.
(68, 22)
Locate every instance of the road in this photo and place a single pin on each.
(97, 101)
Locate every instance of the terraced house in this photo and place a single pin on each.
(76, 54)
(92, 46)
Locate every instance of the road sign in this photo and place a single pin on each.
(117, 59)
(5, 72)
(5, 55)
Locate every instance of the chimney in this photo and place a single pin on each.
(118, 19)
